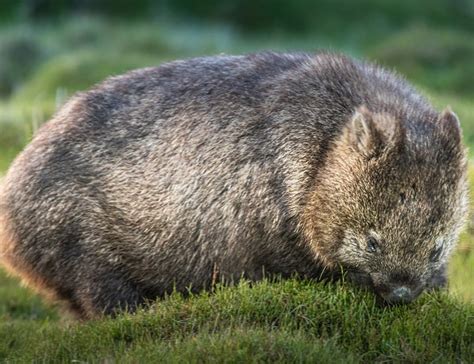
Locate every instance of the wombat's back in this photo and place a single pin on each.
(182, 175)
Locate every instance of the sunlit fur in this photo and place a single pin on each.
(217, 168)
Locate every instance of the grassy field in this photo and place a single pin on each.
(270, 321)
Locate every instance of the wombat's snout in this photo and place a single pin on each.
(398, 292)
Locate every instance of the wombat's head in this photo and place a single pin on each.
(390, 203)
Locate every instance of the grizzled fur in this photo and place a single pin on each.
(222, 167)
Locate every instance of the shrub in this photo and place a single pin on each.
(441, 60)
(19, 55)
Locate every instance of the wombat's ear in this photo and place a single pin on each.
(363, 134)
(450, 124)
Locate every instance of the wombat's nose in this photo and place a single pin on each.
(401, 295)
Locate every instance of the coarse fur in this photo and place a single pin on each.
(225, 167)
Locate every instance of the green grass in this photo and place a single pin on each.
(281, 321)
(284, 321)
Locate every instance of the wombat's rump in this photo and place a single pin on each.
(222, 167)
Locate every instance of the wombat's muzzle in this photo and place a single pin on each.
(398, 293)
(392, 289)
(396, 288)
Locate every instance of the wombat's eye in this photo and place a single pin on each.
(435, 254)
(372, 245)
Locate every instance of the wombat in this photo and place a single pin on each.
(229, 167)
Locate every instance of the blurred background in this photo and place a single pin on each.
(50, 49)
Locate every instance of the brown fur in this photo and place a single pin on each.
(218, 168)
(14, 265)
